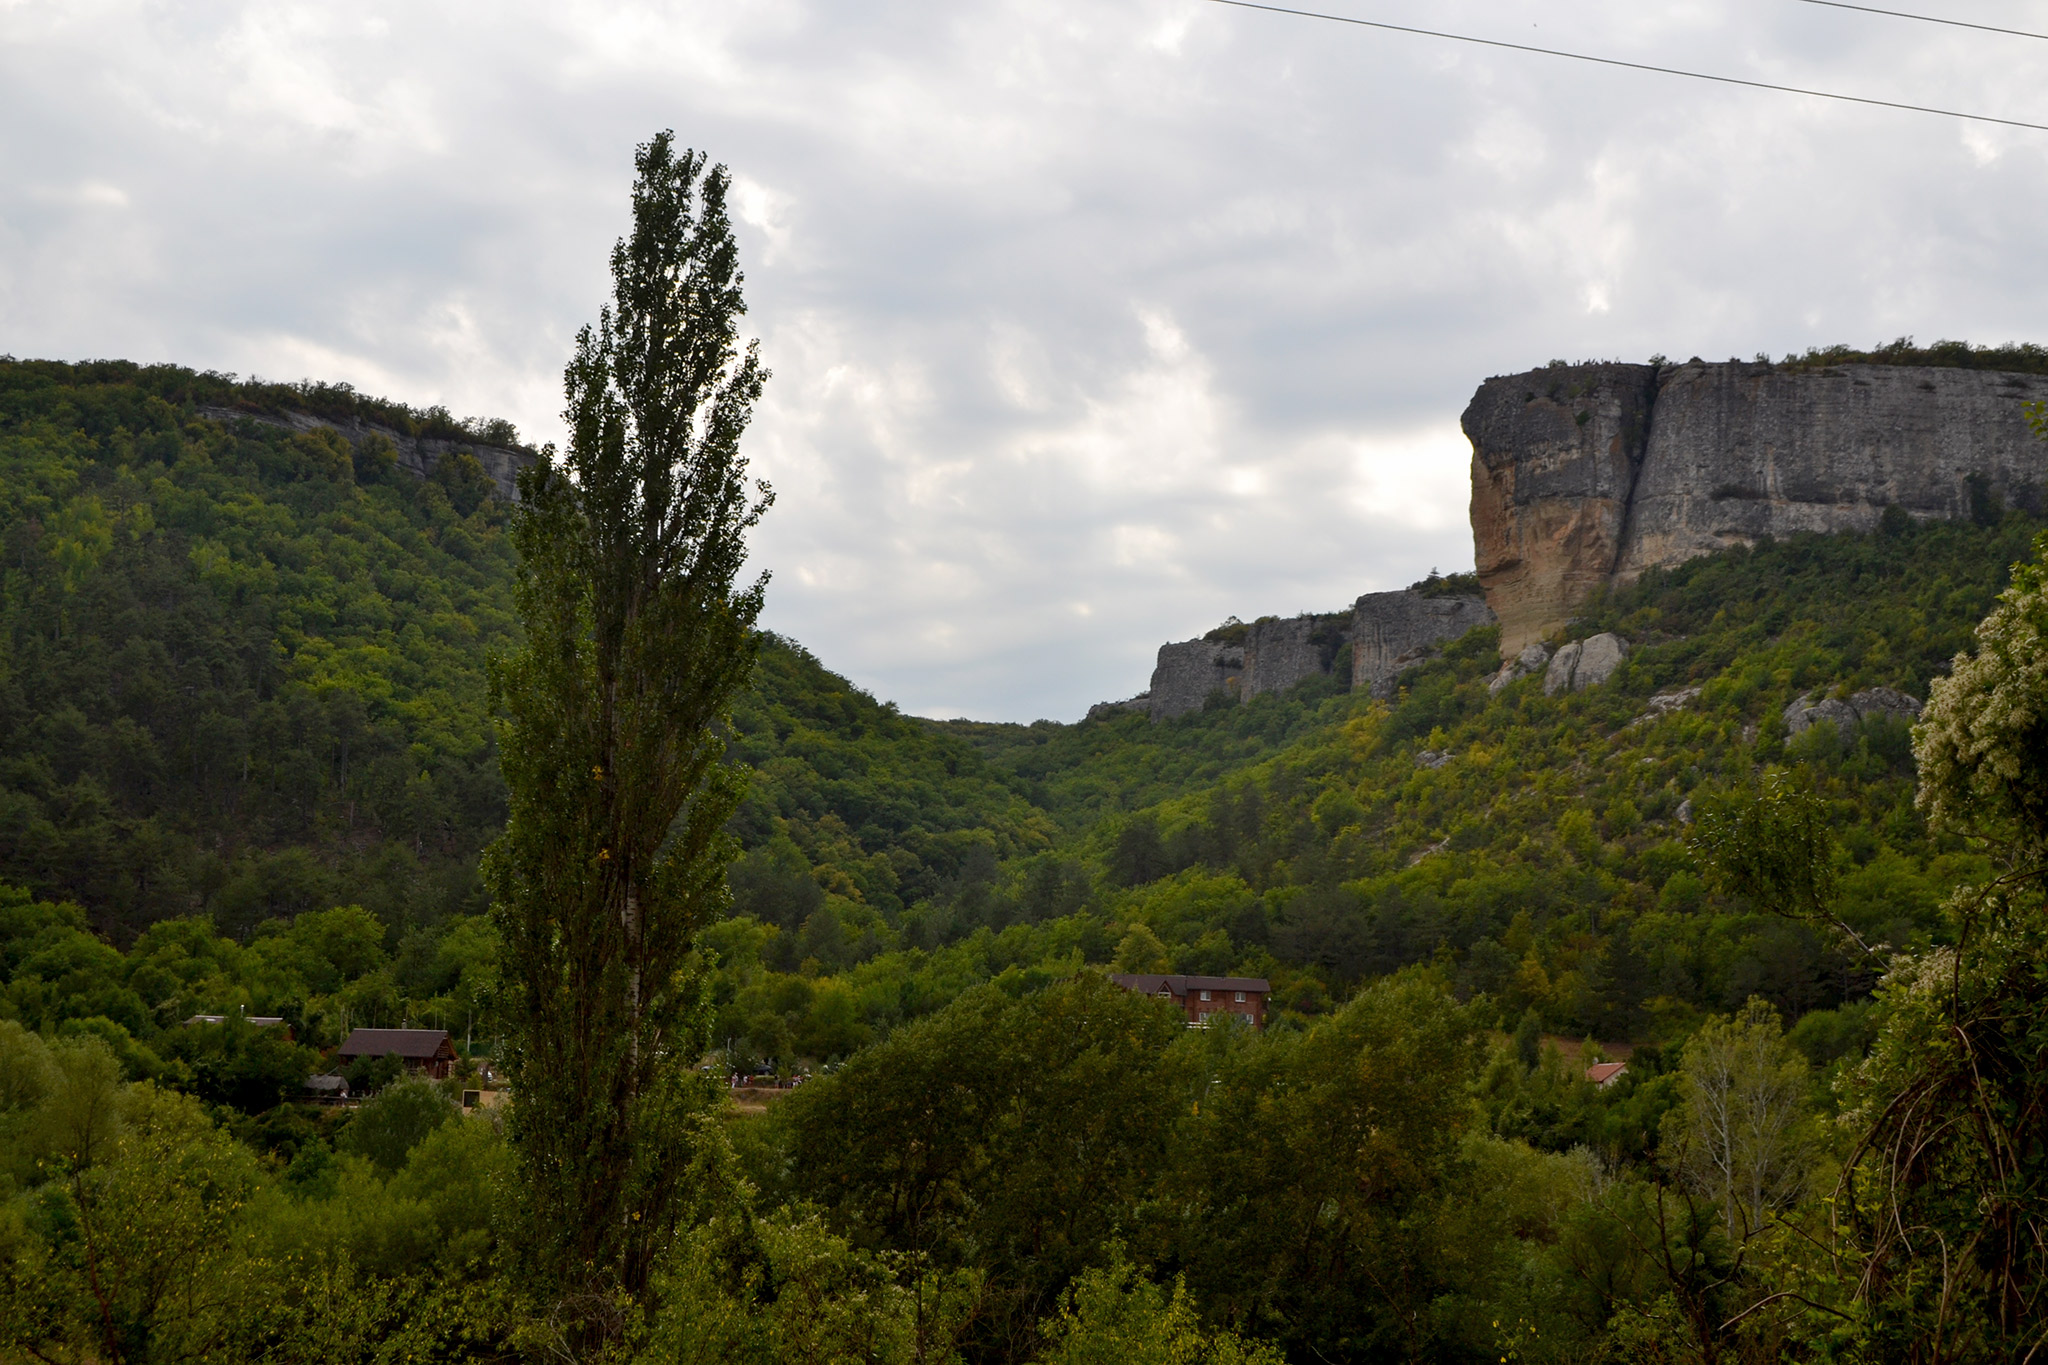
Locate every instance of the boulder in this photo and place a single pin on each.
(1584, 663)
(1873, 702)
(1803, 713)
(1531, 660)
(1664, 703)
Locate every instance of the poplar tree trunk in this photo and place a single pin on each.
(613, 732)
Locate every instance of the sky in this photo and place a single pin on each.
(1092, 322)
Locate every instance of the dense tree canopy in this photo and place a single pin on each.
(246, 770)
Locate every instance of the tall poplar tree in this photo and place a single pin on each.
(613, 731)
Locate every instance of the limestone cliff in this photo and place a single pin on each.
(1391, 632)
(1387, 634)
(1554, 459)
(1590, 474)
(1189, 673)
(416, 454)
(1280, 653)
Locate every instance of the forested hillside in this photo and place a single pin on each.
(246, 768)
(243, 667)
(245, 681)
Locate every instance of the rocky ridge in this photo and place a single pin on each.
(1384, 635)
(1586, 475)
(417, 455)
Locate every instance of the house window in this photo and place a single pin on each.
(1240, 997)
(1205, 995)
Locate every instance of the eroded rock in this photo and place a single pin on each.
(1803, 713)
(1584, 663)
(1392, 632)
(1585, 475)
(1189, 673)
(1531, 660)
(1110, 710)
(1554, 457)
(1278, 653)
(1664, 703)
(417, 455)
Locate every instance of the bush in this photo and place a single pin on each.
(386, 1129)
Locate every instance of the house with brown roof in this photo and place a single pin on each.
(1604, 1074)
(424, 1051)
(1205, 999)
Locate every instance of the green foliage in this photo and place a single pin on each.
(1983, 752)
(245, 769)
(782, 1290)
(1008, 1136)
(385, 1130)
(235, 679)
(1112, 1316)
(1741, 1136)
(174, 1242)
(615, 731)
(1949, 1104)
(236, 1063)
(2017, 357)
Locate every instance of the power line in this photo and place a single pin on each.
(1635, 66)
(1929, 19)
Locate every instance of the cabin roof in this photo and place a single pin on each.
(421, 1043)
(1149, 983)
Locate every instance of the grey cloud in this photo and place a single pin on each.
(1087, 315)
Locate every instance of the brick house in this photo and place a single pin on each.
(1205, 997)
(424, 1051)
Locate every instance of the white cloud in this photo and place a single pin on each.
(1092, 321)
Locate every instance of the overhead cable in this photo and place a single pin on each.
(1634, 66)
(1929, 19)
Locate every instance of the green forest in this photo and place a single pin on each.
(248, 767)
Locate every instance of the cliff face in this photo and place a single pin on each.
(1280, 653)
(1591, 474)
(1388, 632)
(1188, 673)
(1554, 458)
(1391, 632)
(418, 455)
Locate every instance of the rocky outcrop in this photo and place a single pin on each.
(416, 454)
(1534, 658)
(1392, 632)
(1554, 459)
(1191, 672)
(1388, 634)
(1664, 703)
(1280, 653)
(1584, 663)
(1803, 713)
(1590, 474)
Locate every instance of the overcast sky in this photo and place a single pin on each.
(1092, 321)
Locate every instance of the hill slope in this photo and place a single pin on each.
(243, 670)
(244, 679)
